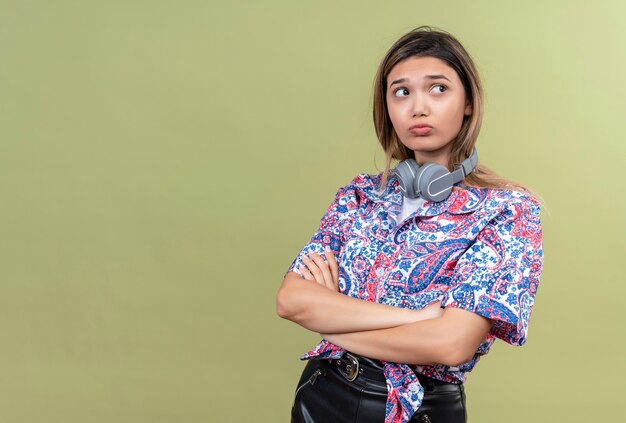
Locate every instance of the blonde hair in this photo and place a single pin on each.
(427, 41)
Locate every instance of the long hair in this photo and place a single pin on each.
(428, 41)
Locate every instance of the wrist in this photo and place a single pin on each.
(425, 314)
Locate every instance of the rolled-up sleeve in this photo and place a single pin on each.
(497, 277)
(334, 225)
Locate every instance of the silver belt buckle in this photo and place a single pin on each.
(352, 367)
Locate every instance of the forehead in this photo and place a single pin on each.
(419, 67)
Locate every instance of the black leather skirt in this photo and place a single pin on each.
(353, 390)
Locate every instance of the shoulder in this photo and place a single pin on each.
(512, 215)
(500, 201)
(365, 181)
(517, 204)
(363, 186)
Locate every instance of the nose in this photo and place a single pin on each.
(420, 106)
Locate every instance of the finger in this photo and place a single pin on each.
(332, 264)
(323, 266)
(434, 310)
(317, 273)
(305, 273)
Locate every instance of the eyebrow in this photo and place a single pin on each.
(402, 80)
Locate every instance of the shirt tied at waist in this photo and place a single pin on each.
(404, 391)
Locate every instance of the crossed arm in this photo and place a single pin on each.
(427, 336)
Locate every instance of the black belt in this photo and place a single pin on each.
(352, 366)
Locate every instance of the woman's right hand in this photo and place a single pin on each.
(431, 311)
(324, 272)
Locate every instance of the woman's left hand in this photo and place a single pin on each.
(324, 272)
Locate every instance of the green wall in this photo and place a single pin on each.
(162, 162)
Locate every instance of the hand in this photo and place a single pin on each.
(431, 311)
(324, 272)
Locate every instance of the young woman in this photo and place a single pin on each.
(413, 273)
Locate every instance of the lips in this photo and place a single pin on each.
(420, 130)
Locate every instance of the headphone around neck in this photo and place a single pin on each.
(432, 181)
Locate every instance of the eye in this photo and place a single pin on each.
(401, 92)
(439, 89)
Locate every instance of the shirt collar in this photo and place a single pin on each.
(462, 199)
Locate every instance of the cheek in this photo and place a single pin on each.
(454, 118)
(395, 113)
(392, 117)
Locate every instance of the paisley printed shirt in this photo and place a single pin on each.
(479, 250)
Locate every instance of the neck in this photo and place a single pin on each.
(441, 157)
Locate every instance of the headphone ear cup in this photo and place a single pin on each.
(406, 172)
(434, 182)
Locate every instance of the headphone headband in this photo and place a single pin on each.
(466, 167)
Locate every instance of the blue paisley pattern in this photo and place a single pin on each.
(479, 250)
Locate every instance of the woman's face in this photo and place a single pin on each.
(426, 103)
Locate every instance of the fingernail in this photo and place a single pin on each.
(327, 248)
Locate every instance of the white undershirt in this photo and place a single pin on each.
(409, 205)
